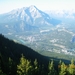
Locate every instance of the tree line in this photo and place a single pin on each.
(30, 62)
(26, 67)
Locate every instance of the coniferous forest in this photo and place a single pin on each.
(17, 59)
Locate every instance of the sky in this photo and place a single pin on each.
(8, 5)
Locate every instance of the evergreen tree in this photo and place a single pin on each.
(24, 68)
(63, 69)
(10, 62)
(51, 68)
(59, 65)
(71, 68)
(36, 67)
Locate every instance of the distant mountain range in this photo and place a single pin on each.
(26, 18)
(68, 14)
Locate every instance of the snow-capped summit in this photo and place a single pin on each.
(34, 11)
(32, 7)
(27, 17)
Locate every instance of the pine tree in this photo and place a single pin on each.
(36, 67)
(24, 68)
(63, 69)
(71, 68)
(51, 68)
(59, 66)
(10, 62)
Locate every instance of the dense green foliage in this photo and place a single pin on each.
(16, 59)
(25, 67)
(10, 54)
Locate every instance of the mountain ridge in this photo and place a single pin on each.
(30, 17)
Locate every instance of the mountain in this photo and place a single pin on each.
(38, 30)
(26, 19)
(67, 14)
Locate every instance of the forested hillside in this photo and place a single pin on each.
(12, 50)
(16, 59)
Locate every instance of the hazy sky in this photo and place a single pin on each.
(8, 5)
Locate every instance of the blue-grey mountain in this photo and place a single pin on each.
(27, 18)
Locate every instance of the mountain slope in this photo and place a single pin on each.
(10, 54)
(26, 18)
(14, 50)
(10, 50)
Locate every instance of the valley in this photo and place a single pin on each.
(58, 40)
(38, 30)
